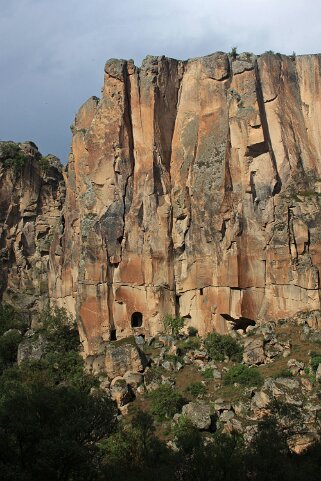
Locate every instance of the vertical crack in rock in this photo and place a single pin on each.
(267, 138)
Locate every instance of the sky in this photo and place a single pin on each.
(53, 52)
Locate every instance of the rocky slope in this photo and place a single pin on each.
(31, 200)
(193, 188)
(280, 375)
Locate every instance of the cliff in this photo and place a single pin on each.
(31, 200)
(193, 188)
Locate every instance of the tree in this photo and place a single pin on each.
(173, 325)
(52, 433)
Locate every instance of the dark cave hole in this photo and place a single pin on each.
(240, 323)
(113, 335)
(137, 319)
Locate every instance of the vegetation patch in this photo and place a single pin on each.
(196, 388)
(315, 360)
(192, 331)
(208, 373)
(173, 325)
(165, 402)
(242, 374)
(11, 156)
(220, 347)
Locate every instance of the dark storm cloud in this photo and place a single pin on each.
(53, 51)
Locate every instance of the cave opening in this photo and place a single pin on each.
(137, 319)
(177, 305)
(113, 335)
(240, 323)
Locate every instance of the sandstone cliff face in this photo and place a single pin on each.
(31, 199)
(193, 188)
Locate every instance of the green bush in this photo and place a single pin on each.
(12, 156)
(244, 375)
(8, 348)
(173, 358)
(173, 325)
(165, 402)
(221, 346)
(233, 52)
(11, 319)
(283, 373)
(196, 388)
(61, 363)
(191, 344)
(44, 163)
(315, 360)
(192, 331)
(60, 330)
(208, 373)
(49, 433)
(187, 436)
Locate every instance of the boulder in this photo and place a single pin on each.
(253, 351)
(133, 379)
(168, 366)
(227, 416)
(298, 443)
(295, 367)
(199, 414)
(152, 379)
(32, 348)
(260, 400)
(220, 405)
(120, 391)
(120, 359)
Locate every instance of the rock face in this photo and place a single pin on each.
(193, 188)
(31, 199)
(119, 360)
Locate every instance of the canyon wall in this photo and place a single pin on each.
(31, 199)
(193, 189)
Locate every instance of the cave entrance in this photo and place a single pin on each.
(113, 335)
(137, 319)
(240, 323)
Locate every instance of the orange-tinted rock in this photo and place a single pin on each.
(31, 199)
(192, 189)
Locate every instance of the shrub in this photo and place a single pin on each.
(283, 373)
(221, 346)
(233, 52)
(187, 436)
(244, 375)
(11, 319)
(8, 348)
(60, 330)
(196, 388)
(12, 156)
(208, 373)
(44, 163)
(315, 360)
(165, 402)
(310, 374)
(173, 324)
(191, 343)
(173, 358)
(192, 331)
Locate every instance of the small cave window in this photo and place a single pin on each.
(201, 291)
(137, 319)
(113, 335)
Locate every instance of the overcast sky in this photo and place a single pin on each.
(52, 52)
